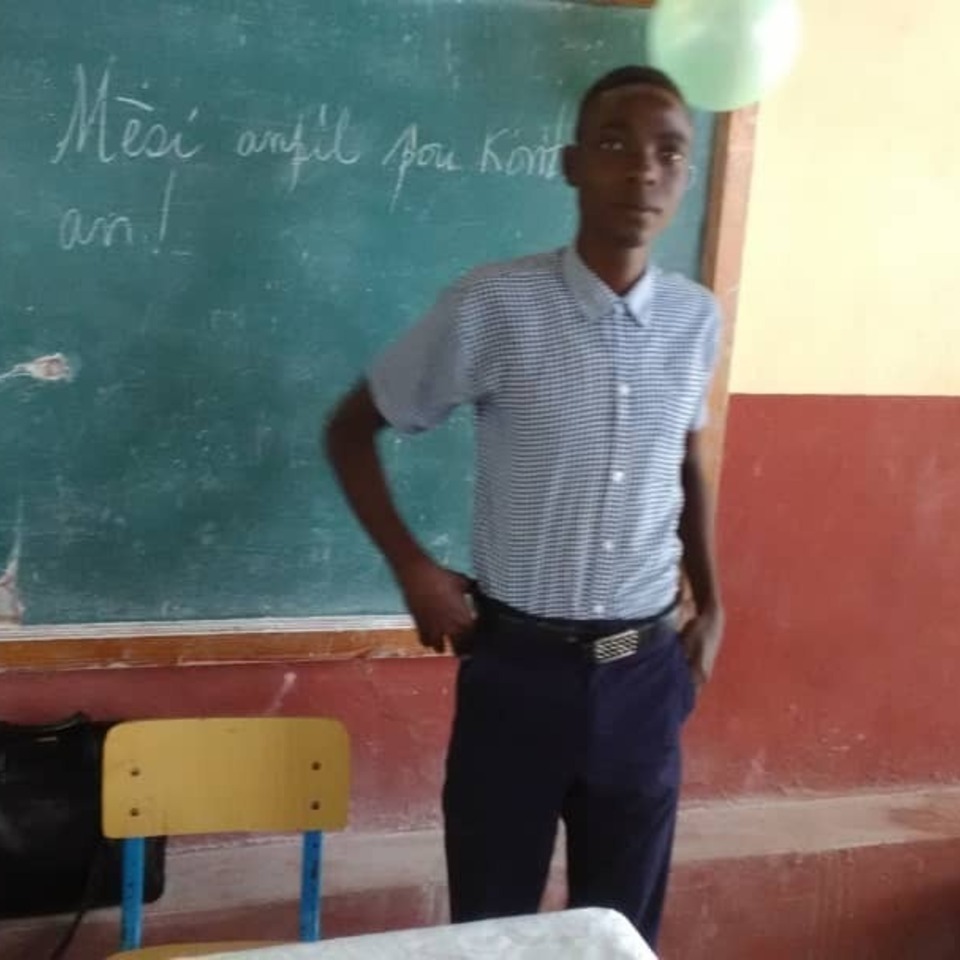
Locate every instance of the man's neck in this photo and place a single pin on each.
(617, 267)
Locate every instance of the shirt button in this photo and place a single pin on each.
(599, 609)
(617, 476)
(624, 389)
(608, 546)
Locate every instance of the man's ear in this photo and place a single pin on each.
(571, 163)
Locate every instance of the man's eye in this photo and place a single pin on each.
(611, 144)
(673, 157)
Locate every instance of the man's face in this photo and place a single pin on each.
(631, 164)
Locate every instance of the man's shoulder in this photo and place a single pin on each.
(678, 293)
(514, 274)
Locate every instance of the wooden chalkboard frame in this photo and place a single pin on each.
(190, 644)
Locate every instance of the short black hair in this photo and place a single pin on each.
(629, 76)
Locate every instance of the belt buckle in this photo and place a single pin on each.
(615, 646)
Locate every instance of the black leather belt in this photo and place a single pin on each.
(600, 641)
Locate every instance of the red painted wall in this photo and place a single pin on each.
(840, 540)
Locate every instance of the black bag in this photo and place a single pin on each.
(53, 856)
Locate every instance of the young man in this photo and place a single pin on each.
(588, 370)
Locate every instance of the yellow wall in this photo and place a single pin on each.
(851, 278)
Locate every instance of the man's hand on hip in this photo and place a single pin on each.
(437, 600)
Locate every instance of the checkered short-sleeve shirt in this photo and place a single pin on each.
(582, 401)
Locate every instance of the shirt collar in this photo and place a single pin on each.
(597, 300)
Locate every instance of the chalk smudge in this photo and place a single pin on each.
(11, 606)
(289, 682)
(54, 366)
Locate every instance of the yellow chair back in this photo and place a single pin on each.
(222, 775)
(270, 774)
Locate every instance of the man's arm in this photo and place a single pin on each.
(702, 636)
(434, 595)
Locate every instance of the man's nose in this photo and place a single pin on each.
(643, 166)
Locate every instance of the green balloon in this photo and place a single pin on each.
(724, 54)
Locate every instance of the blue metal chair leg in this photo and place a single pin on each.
(310, 881)
(132, 902)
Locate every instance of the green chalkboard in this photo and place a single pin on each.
(214, 213)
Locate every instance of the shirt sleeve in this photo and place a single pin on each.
(423, 376)
(710, 353)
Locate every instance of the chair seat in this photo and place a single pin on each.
(173, 951)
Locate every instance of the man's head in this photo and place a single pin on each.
(630, 163)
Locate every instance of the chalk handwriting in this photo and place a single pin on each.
(318, 141)
(103, 231)
(165, 207)
(408, 152)
(92, 128)
(505, 153)
(78, 231)
(109, 125)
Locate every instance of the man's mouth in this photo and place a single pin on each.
(641, 209)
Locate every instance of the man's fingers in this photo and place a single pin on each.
(430, 642)
(437, 636)
(692, 646)
(429, 635)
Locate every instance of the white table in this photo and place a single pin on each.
(591, 934)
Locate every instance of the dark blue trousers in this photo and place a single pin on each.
(542, 733)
